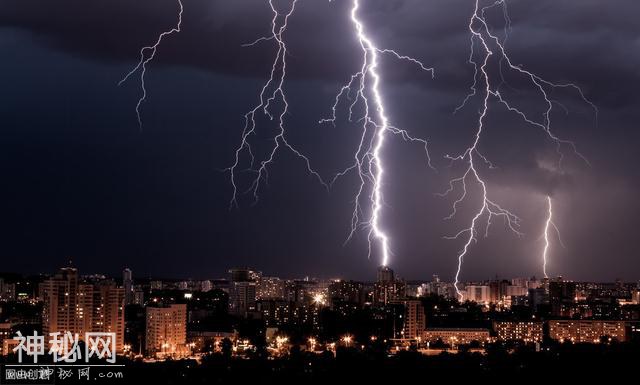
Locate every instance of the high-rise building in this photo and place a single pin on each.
(7, 290)
(385, 275)
(275, 312)
(516, 291)
(242, 298)
(498, 290)
(241, 275)
(538, 297)
(520, 282)
(447, 290)
(303, 292)
(562, 295)
(166, 331)
(62, 310)
(414, 319)
(138, 297)
(346, 292)
(71, 305)
(108, 316)
(242, 292)
(270, 288)
(387, 288)
(127, 284)
(5, 334)
(477, 293)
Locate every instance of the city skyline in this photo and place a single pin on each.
(111, 270)
(257, 319)
(120, 273)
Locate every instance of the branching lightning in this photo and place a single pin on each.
(146, 55)
(368, 163)
(366, 106)
(491, 45)
(548, 224)
(272, 92)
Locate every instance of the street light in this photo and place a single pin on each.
(312, 343)
(281, 341)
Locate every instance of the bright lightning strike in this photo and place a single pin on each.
(368, 162)
(272, 92)
(491, 45)
(549, 223)
(146, 55)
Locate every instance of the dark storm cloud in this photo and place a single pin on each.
(435, 31)
(212, 35)
(81, 179)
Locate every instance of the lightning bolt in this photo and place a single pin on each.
(490, 45)
(146, 55)
(271, 93)
(548, 224)
(368, 162)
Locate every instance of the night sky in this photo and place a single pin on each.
(80, 179)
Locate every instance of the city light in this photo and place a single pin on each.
(281, 342)
(319, 299)
(312, 343)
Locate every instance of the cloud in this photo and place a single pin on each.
(547, 36)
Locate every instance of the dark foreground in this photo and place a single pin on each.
(605, 363)
(566, 362)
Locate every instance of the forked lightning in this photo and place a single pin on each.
(491, 45)
(368, 162)
(272, 92)
(146, 55)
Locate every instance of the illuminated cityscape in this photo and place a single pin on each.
(319, 191)
(247, 314)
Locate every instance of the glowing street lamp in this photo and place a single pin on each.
(281, 341)
(312, 343)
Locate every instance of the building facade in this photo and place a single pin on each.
(586, 331)
(455, 336)
(242, 291)
(166, 331)
(414, 319)
(387, 287)
(5, 334)
(127, 284)
(477, 293)
(527, 331)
